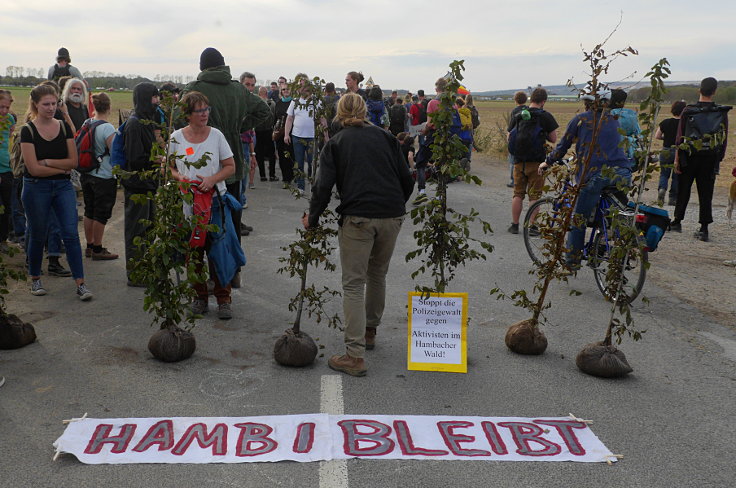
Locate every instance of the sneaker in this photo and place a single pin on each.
(514, 228)
(88, 252)
(83, 293)
(56, 269)
(730, 262)
(263, 178)
(510, 184)
(245, 205)
(246, 227)
(676, 227)
(274, 178)
(224, 311)
(347, 364)
(420, 199)
(200, 307)
(370, 338)
(701, 235)
(103, 255)
(253, 187)
(37, 288)
(534, 231)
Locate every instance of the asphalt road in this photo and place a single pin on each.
(672, 419)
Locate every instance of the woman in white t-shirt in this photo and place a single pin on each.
(189, 145)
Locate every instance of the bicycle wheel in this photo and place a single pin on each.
(634, 271)
(538, 212)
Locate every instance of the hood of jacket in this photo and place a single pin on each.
(219, 75)
(142, 95)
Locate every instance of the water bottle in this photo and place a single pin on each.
(525, 114)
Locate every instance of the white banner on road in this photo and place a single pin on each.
(318, 437)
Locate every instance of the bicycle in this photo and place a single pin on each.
(598, 248)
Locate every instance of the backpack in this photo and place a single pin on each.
(705, 127)
(526, 139)
(60, 72)
(85, 141)
(117, 152)
(423, 111)
(475, 117)
(397, 116)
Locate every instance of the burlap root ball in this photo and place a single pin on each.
(14, 333)
(172, 344)
(597, 359)
(295, 350)
(526, 338)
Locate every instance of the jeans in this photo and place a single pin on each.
(366, 246)
(19, 215)
(302, 153)
(590, 194)
(41, 199)
(511, 168)
(242, 198)
(667, 159)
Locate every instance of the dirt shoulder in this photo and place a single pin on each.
(689, 270)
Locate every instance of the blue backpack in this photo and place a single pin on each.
(117, 152)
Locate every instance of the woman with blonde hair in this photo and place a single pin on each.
(373, 181)
(49, 154)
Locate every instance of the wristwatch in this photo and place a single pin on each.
(252, 154)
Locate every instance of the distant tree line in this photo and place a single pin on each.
(22, 76)
(726, 93)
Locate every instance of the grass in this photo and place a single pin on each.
(121, 100)
(494, 116)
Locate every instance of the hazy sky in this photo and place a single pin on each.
(401, 44)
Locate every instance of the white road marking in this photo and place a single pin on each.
(332, 474)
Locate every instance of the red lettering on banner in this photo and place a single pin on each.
(453, 440)
(102, 436)
(304, 438)
(494, 438)
(217, 439)
(252, 434)
(161, 433)
(406, 444)
(379, 439)
(525, 433)
(565, 429)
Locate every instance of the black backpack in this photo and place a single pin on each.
(526, 139)
(475, 117)
(60, 72)
(705, 127)
(397, 117)
(423, 111)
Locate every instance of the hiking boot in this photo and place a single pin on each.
(56, 269)
(514, 228)
(235, 282)
(103, 255)
(224, 311)
(347, 364)
(83, 293)
(420, 199)
(37, 288)
(200, 307)
(88, 252)
(534, 231)
(676, 227)
(370, 338)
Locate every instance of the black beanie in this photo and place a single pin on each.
(210, 58)
(63, 54)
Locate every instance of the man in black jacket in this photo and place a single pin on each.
(374, 183)
(139, 138)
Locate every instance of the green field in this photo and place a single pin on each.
(121, 100)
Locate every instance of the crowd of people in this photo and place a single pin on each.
(370, 147)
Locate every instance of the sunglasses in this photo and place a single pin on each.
(202, 110)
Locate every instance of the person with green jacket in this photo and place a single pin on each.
(234, 110)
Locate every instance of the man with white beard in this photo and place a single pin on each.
(72, 102)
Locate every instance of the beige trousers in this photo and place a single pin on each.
(366, 246)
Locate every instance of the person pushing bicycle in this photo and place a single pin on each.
(601, 162)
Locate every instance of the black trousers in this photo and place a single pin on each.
(702, 170)
(6, 191)
(265, 150)
(286, 161)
